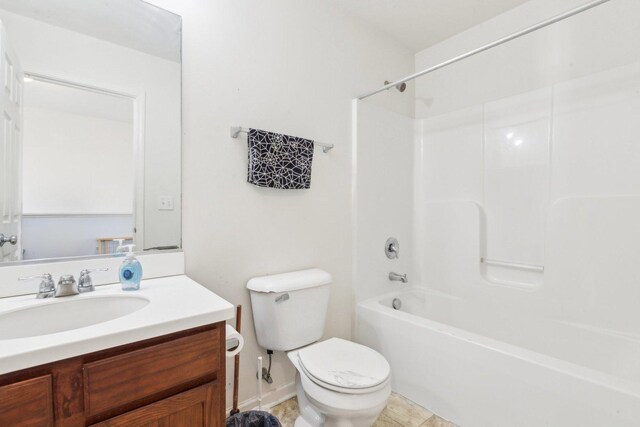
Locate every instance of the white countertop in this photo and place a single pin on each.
(176, 303)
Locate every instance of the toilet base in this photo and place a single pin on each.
(315, 414)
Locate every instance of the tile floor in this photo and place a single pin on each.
(400, 412)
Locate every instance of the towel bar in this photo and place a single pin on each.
(237, 130)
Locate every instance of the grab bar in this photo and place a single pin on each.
(531, 267)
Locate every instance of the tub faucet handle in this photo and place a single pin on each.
(392, 248)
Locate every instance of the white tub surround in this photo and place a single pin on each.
(174, 304)
(521, 223)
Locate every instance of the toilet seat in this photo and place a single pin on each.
(344, 366)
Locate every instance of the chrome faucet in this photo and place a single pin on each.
(66, 286)
(398, 277)
(85, 283)
(47, 286)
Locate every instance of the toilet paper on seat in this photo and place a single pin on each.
(234, 341)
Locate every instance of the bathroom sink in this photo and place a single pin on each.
(38, 331)
(65, 314)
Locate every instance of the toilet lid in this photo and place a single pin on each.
(344, 364)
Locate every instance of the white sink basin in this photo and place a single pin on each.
(66, 314)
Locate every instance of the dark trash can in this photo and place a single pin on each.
(253, 419)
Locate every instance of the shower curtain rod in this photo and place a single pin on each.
(491, 45)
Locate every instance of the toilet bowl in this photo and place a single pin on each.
(340, 383)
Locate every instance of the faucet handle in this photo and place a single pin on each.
(86, 271)
(44, 276)
(392, 248)
(85, 283)
(47, 286)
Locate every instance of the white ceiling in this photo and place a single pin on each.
(419, 24)
(130, 23)
(71, 100)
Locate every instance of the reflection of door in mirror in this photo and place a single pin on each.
(10, 151)
(78, 169)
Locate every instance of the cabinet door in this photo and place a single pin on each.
(27, 403)
(117, 381)
(198, 407)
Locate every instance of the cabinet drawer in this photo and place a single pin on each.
(27, 403)
(192, 408)
(124, 379)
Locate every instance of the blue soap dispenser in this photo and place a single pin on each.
(130, 270)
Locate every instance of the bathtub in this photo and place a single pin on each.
(492, 367)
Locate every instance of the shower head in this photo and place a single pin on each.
(400, 86)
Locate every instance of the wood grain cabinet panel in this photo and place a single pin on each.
(133, 376)
(175, 380)
(192, 408)
(27, 403)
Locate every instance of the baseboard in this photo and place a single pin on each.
(270, 399)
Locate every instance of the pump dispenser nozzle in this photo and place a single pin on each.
(128, 249)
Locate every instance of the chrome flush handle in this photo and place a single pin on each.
(283, 297)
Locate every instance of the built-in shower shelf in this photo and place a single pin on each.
(521, 266)
(512, 274)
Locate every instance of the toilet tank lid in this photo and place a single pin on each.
(292, 281)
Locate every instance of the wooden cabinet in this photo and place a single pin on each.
(171, 381)
(192, 408)
(27, 403)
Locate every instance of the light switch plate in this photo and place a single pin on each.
(165, 203)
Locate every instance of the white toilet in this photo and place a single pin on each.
(339, 383)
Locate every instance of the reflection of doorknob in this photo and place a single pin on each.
(10, 239)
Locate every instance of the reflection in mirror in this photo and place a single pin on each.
(80, 141)
(90, 131)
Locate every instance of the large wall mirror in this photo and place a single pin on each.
(90, 131)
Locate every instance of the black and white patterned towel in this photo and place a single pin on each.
(279, 161)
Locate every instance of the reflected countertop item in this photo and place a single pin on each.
(174, 304)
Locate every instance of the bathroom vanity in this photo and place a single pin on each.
(161, 365)
(83, 86)
(173, 380)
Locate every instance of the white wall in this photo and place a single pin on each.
(76, 164)
(290, 66)
(53, 51)
(530, 155)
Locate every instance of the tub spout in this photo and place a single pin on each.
(398, 277)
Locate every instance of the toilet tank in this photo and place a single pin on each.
(290, 309)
